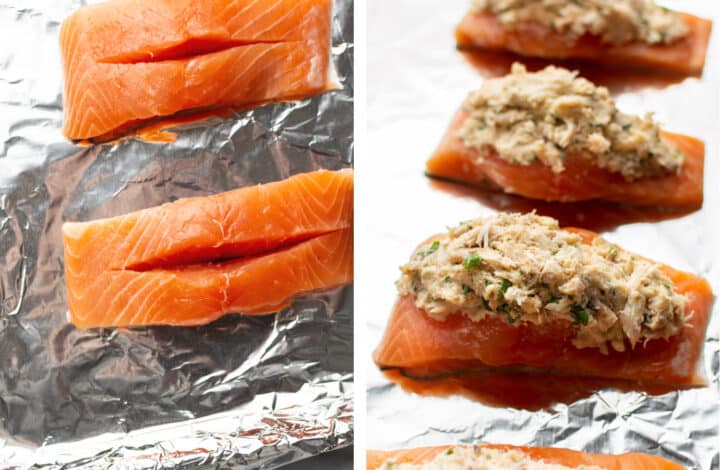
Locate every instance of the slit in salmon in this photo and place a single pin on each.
(223, 254)
(130, 61)
(186, 263)
(189, 49)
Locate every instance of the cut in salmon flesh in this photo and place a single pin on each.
(191, 261)
(686, 56)
(420, 346)
(130, 61)
(558, 456)
(581, 180)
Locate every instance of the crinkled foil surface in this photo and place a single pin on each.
(416, 82)
(239, 393)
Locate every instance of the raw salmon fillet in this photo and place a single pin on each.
(566, 457)
(420, 346)
(130, 61)
(686, 56)
(580, 181)
(191, 261)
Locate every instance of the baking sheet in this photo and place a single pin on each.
(241, 392)
(416, 82)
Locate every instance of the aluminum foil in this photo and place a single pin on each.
(416, 81)
(239, 393)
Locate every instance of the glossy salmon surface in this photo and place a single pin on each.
(686, 56)
(191, 261)
(580, 181)
(420, 346)
(130, 61)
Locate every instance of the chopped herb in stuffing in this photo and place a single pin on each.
(543, 116)
(504, 265)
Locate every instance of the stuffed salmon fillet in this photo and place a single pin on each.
(678, 44)
(130, 61)
(191, 261)
(569, 158)
(581, 180)
(492, 457)
(515, 294)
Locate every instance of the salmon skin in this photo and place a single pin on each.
(566, 457)
(685, 57)
(420, 346)
(130, 61)
(581, 180)
(191, 261)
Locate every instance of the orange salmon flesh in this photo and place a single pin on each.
(686, 56)
(191, 261)
(130, 61)
(581, 180)
(421, 346)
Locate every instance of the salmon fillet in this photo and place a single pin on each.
(580, 181)
(566, 457)
(191, 261)
(420, 346)
(130, 61)
(686, 56)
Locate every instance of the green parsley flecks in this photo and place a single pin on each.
(525, 269)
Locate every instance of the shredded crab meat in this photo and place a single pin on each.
(524, 268)
(614, 22)
(480, 458)
(553, 114)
